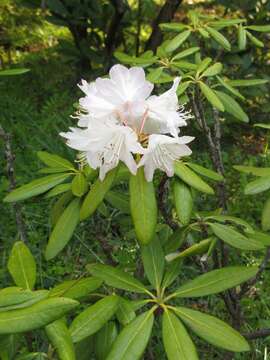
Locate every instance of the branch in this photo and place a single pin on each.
(162, 196)
(166, 14)
(10, 157)
(262, 333)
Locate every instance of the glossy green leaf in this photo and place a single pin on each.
(186, 53)
(143, 207)
(177, 343)
(247, 82)
(116, 278)
(234, 238)
(35, 316)
(205, 172)
(213, 70)
(262, 237)
(216, 281)
(58, 189)
(211, 96)
(59, 206)
(265, 220)
(258, 186)
(204, 33)
(182, 87)
(176, 240)
(177, 41)
(96, 194)
(118, 200)
(133, 339)
(16, 296)
(197, 249)
(231, 219)
(212, 330)
(263, 126)
(242, 37)
(172, 272)
(259, 28)
(55, 161)
(104, 340)
(84, 349)
(183, 65)
(63, 229)
(11, 72)
(22, 266)
(153, 262)
(173, 26)
(35, 187)
(192, 179)
(60, 338)
(226, 22)
(76, 289)
(221, 39)
(183, 201)
(255, 40)
(36, 296)
(231, 106)
(79, 185)
(231, 89)
(125, 312)
(93, 318)
(257, 171)
(203, 65)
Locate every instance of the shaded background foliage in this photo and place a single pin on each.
(64, 40)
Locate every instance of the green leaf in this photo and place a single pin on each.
(185, 65)
(262, 237)
(211, 96)
(58, 189)
(216, 35)
(177, 343)
(118, 200)
(213, 70)
(93, 318)
(173, 26)
(183, 201)
(203, 65)
(63, 229)
(204, 33)
(154, 75)
(36, 187)
(125, 312)
(231, 89)
(76, 289)
(116, 278)
(171, 273)
(15, 298)
(216, 281)
(190, 178)
(79, 185)
(254, 40)
(265, 220)
(182, 87)
(232, 107)
(133, 339)
(177, 41)
(212, 330)
(35, 316)
(234, 238)
(59, 206)
(247, 82)
(153, 262)
(96, 194)
(233, 219)
(226, 22)
(200, 248)
(263, 126)
(176, 240)
(132, 60)
(11, 72)
(104, 340)
(186, 53)
(258, 186)
(259, 28)
(205, 172)
(22, 266)
(55, 161)
(242, 37)
(84, 349)
(60, 338)
(257, 171)
(143, 207)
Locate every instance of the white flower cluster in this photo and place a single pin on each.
(119, 119)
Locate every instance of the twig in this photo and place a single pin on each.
(262, 333)
(10, 157)
(162, 196)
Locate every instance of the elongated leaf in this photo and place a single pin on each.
(176, 240)
(253, 170)
(226, 22)
(183, 87)
(231, 106)
(185, 65)
(116, 278)
(76, 289)
(263, 126)
(171, 273)
(119, 201)
(259, 28)
(203, 65)
(35, 187)
(190, 178)
(132, 340)
(186, 53)
(234, 238)
(96, 194)
(231, 89)
(59, 206)
(200, 248)
(216, 35)
(84, 349)
(35, 297)
(212, 330)
(60, 338)
(58, 189)
(247, 82)
(177, 41)
(104, 340)
(173, 26)
(22, 266)
(11, 72)
(143, 207)
(15, 296)
(258, 186)
(93, 318)
(262, 237)
(211, 96)
(232, 219)
(204, 33)
(183, 201)
(255, 40)
(213, 70)
(153, 262)
(35, 316)
(177, 343)
(216, 281)
(54, 161)
(205, 172)
(79, 185)
(265, 220)
(63, 229)
(125, 312)
(242, 38)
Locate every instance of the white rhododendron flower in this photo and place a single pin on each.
(120, 119)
